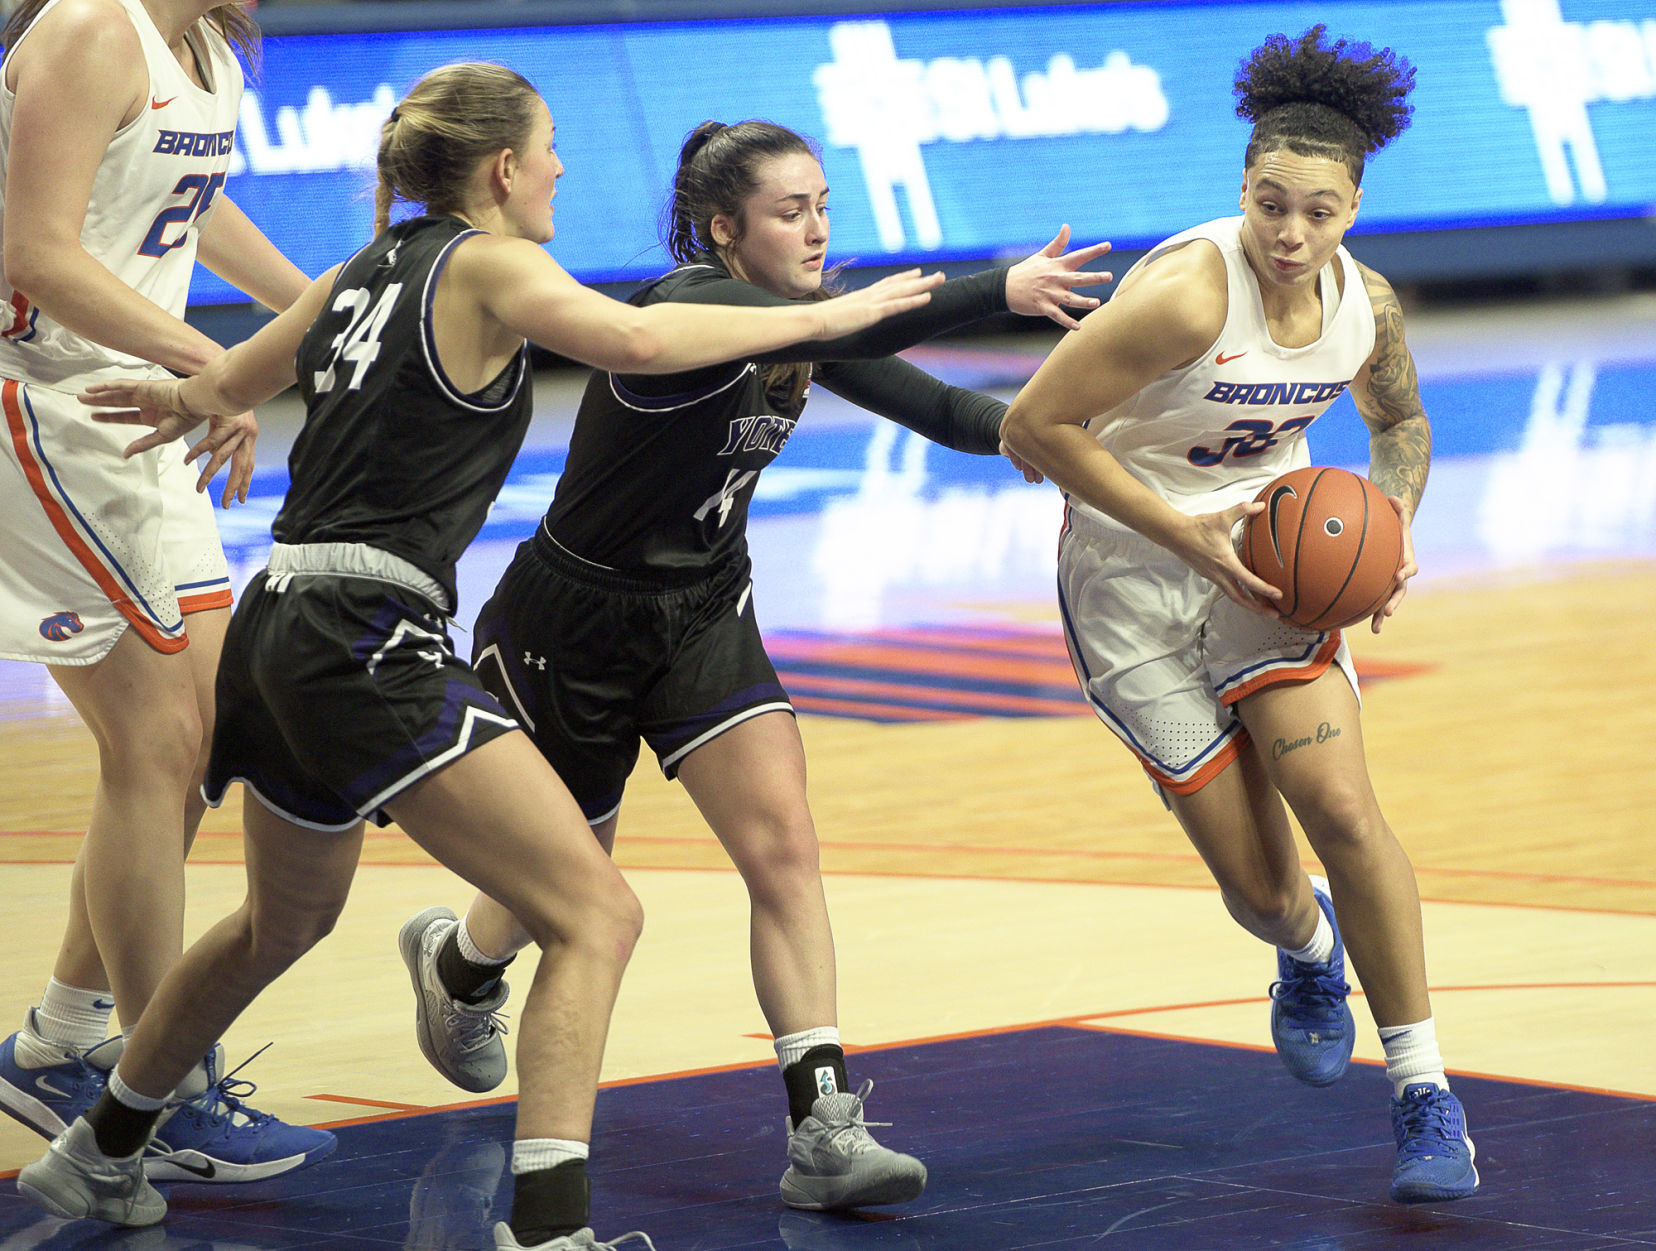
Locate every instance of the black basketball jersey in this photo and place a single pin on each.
(661, 469)
(392, 454)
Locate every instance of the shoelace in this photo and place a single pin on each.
(1427, 1127)
(471, 1028)
(1312, 994)
(629, 1236)
(232, 1092)
(852, 1132)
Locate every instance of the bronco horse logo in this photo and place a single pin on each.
(60, 626)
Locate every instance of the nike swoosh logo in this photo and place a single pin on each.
(1222, 359)
(161, 104)
(104, 1005)
(1277, 496)
(206, 1171)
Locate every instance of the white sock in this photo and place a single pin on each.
(124, 1094)
(1321, 946)
(73, 1017)
(532, 1154)
(1412, 1055)
(471, 952)
(791, 1048)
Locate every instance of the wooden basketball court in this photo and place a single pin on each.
(989, 873)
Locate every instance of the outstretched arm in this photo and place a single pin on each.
(221, 395)
(955, 418)
(1387, 393)
(525, 291)
(1041, 285)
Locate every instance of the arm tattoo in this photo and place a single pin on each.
(1400, 436)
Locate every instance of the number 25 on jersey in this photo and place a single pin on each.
(200, 190)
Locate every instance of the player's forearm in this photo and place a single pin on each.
(1400, 457)
(671, 337)
(71, 287)
(1072, 458)
(238, 252)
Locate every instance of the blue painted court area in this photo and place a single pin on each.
(1053, 1137)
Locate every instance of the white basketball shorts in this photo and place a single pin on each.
(1164, 657)
(93, 542)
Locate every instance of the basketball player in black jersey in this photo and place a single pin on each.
(339, 697)
(629, 616)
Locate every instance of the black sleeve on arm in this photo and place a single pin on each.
(966, 421)
(704, 284)
(958, 302)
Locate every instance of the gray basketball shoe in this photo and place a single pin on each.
(462, 1040)
(74, 1179)
(834, 1162)
(580, 1240)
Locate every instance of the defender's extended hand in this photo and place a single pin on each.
(230, 437)
(1043, 284)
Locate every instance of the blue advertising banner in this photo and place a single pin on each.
(967, 134)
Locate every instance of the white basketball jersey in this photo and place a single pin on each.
(1212, 434)
(157, 185)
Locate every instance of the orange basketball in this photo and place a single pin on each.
(1330, 541)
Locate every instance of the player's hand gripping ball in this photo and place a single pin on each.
(1330, 541)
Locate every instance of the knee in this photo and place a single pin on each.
(1341, 817)
(273, 944)
(1261, 907)
(603, 923)
(777, 854)
(164, 742)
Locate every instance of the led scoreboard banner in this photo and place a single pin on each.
(968, 134)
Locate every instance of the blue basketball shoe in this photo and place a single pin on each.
(1311, 1022)
(215, 1137)
(56, 1084)
(1434, 1152)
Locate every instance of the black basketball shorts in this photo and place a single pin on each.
(339, 690)
(590, 662)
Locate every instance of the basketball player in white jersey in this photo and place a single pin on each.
(1161, 418)
(117, 119)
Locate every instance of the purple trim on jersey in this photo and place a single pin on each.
(603, 809)
(666, 742)
(428, 341)
(392, 611)
(63, 497)
(413, 757)
(1115, 723)
(682, 400)
(329, 815)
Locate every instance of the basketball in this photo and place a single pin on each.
(1330, 541)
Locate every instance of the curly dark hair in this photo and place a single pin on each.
(1343, 101)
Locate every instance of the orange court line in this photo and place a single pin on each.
(1031, 646)
(901, 659)
(947, 848)
(370, 1103)
(1080, 1021)
(1090, 853)
(969, 700)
